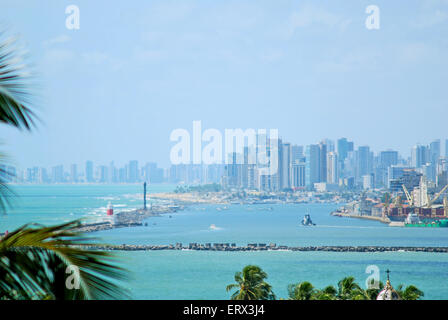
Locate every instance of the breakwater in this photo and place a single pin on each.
(133, 218)
(265, 247)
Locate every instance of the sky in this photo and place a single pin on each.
(136, 70)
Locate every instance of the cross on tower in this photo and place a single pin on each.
(387, 271)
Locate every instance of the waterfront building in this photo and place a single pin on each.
(57, 174)
(89, 171)
(42, 176)
(122, 174)
(73, 173)
(285, 173)
(232, 179)
(323, 162)
(133, 172)
(103, 174)
(113, 173)
(312, 165)
(332, 168)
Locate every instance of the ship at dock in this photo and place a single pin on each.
(426, 206)
(413, 221)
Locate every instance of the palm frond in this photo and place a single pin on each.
(6, 193)
(15, 96)
(34, 262)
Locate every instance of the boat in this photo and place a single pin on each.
(307, 221)
(412, 220)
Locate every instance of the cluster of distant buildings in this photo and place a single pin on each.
(326, 166)
(336, 166)
(89, 173)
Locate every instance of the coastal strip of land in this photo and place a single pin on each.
(264, 247)
(385, 220)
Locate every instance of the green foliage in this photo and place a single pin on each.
(34, 261)
(347, 289)
(250, 285)
(409, 293)
(301, 291)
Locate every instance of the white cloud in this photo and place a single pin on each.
(311, 15)
(56, 40)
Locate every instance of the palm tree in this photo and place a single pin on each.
(372, 293)
(348, 289)
(250, 285)
(37, 262)
(410, 293)
(301, 291)
(328, 293)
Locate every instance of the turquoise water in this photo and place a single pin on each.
(204, 275)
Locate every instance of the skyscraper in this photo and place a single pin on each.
(342, 148)
(332, 168)
(73, 173)
(323, 162)
(312, 167)
(388, 158)
(89, 171)
(363, 162)
(298, 175)
(285, 173)
(104, 174)
(434, 152)
(419, 156)
(57, 174)
(297, 154)
(446, 148)
(133, 175)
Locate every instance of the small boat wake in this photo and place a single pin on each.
(214, 228)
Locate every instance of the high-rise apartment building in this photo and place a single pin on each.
(312, 169)
(332, 168)
(419, 156)
(73, 173)
(298, 175)
(133, 172)
(285, 173)
(89, 171)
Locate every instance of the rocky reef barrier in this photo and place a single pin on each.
(264, 247)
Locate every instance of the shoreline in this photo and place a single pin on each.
(365, 217)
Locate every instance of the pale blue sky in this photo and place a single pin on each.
(136, 70)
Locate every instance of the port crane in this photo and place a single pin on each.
(431, 201)
(408, 196)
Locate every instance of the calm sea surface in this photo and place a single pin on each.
(204, 275)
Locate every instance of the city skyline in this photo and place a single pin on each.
(443, 147)
(325, 166)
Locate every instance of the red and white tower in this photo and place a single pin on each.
(110, 209)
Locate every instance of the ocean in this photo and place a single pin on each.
(204, 275)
